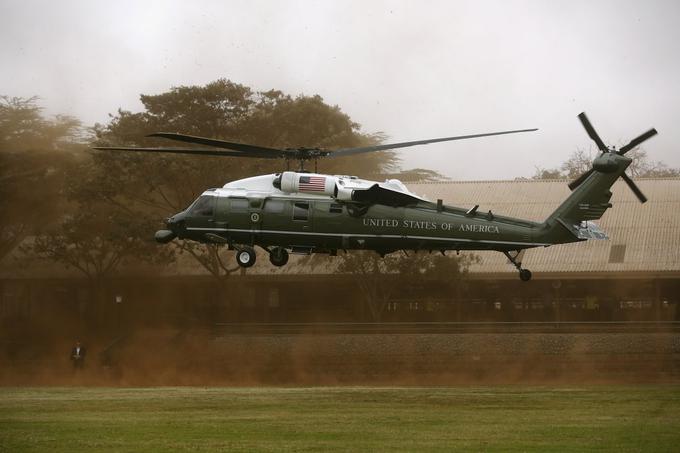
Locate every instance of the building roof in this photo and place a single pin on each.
(650, 232)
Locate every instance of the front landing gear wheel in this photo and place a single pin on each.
(525, 275)
(278, 256)
(245, 256)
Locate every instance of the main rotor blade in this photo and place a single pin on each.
(578, 181)
(636, 141)
(192, 151)
(219, 143)
(591, 132)
(368, 149)
(636, 190)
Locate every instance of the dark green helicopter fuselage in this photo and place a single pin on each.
(322, 224)
(305, 212)
(325, 225)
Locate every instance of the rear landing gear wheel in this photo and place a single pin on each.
(278, 256)
(524, 274)
(245, 256)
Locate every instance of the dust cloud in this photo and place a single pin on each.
(169, 341)
(206, 357)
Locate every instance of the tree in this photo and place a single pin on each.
(416, 175)
(380, 279)
(544, 173)
(22, 127)
(96, 239)
(578, 163)
(77, 230)
(229, 111)
(157, 185)
(643, 167)
(35, 153)
(581, 161)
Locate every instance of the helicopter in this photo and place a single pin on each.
(306, 212)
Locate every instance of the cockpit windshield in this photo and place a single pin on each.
(204, 206)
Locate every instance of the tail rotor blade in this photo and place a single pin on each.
(636, 190)
(636, 141)
(578, 181)
(591, 132)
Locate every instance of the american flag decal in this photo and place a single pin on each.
(312, 183)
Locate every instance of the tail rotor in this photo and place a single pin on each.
(604, 149)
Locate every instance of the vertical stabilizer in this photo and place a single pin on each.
(572, 220)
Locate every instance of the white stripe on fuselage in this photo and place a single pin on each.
(388, 236)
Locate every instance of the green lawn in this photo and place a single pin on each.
(603, 418)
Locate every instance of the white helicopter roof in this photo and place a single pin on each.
(262, 186)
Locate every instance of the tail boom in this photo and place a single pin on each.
(572, 220)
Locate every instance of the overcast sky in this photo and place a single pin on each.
(412, 69)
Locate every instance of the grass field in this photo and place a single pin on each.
(603, 418)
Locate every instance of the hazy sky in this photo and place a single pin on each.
(412, 69)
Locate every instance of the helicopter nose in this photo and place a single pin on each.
(174, 222)
(174, 225)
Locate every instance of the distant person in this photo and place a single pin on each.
(78, 356)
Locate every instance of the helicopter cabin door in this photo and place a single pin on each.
(301, 215)
(286, 215)
(275, 213)
(237, 213)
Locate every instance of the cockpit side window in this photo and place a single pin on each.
(204, 206)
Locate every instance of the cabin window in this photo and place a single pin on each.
(335, 208)
(274, 206)
(204, 206)
(301, 211)
(239, 205)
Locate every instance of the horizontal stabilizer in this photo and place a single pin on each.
(584, 230)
